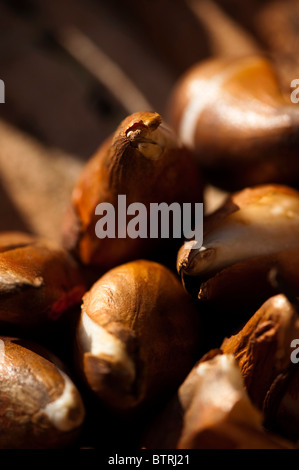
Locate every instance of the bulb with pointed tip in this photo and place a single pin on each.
(144, 161)
(253, 233)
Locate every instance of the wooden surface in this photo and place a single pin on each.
(74, 68)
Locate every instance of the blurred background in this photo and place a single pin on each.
(73, 69)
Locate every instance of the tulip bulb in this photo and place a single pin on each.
(242, 127)
(254, 231)
(144, 161)
(138, 335)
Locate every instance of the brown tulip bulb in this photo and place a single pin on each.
(242, 127)
(265, 352)
(255, 232)
(40, 406)
(143, 161)
(138, 335)
(39, 281)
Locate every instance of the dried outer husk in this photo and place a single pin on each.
(138, 336)
(144, 161)
(212, 410)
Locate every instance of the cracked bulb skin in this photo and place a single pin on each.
(144, 161)
(138, 336)
(241, 126)
(40, 406)
(255, 231)
(39, 282)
